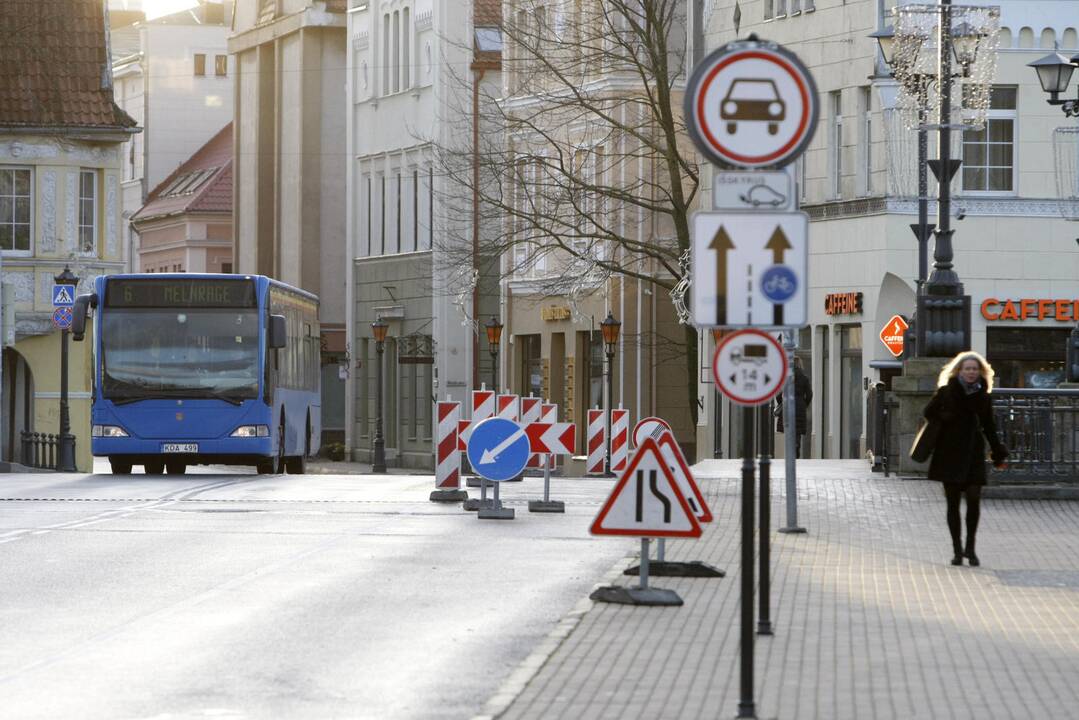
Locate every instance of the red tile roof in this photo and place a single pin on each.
(52, 65)
(201, 184)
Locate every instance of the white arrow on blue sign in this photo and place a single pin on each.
(498, 449)
(63, 295)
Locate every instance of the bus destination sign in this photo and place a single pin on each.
(173, 292)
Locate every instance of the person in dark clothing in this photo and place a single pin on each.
(962, 406)
(803, 395)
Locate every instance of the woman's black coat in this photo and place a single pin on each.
(959, 454)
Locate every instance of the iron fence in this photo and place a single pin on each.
(39, 450)
(1041, 431)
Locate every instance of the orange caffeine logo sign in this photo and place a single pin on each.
(892, 335)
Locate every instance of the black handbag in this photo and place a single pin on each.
(925, 441)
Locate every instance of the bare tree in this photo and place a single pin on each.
(583, 169)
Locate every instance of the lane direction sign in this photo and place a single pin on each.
(551, 438)
(498, 449)
(750, 269)
(749, 367)
(646, 501)
(751, 104)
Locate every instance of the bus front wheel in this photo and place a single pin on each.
(264, 467)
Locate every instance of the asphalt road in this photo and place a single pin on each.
(242, 596)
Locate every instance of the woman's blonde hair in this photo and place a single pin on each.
(951, 369)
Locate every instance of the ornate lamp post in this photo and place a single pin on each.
(920, 51)
(378, 330)
(1054, 74)
(65, 456)
(610, 328)
(494, 336)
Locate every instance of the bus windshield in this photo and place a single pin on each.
(189, 352)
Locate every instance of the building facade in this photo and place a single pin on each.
(61, 136)
(173, 75)
(417, 75)
(858, 182)
(289, 162)
(186, 223)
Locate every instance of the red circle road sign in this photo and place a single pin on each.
(749, 367)
(751, 104)
(645, 427)
(892, 334)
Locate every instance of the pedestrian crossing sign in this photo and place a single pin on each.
(63, 295)
(646, 501)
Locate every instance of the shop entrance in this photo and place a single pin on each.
(852, 396)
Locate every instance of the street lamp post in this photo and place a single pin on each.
(378, 329)
(494, 337)
(1054, 74)
(610, 328)
(943, 310)
(65, 456)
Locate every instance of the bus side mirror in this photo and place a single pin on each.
(79, 313)
(277, 331)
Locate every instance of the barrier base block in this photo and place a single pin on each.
(519, 478)
(474, 504)
(693, 568)
(472, 481)
(635, 595)
(493, 513)
(792, 530)
(546, 506)
(448, 496)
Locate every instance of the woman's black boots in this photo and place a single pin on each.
(969, 553)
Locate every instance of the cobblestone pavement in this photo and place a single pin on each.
(871, 620)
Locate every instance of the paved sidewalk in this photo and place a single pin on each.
(871, 620)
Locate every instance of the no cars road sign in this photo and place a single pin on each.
(750, 367)
(751, 104)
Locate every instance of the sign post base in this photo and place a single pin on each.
(448, 496)
(546, 506)
(692, 568)
(635, 596)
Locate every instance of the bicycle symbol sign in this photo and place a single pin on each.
(779, 283)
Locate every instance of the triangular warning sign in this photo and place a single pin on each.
(683, 476)
(646, 501)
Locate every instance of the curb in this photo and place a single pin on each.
(1031, 492)
(512, 687)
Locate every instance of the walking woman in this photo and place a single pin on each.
(964, 410)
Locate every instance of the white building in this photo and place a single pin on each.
(858, 183)
(174, 76)
(412, 68)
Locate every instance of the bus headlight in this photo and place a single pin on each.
(250, 431)
(107, 431)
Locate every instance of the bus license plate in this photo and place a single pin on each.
(179, 447)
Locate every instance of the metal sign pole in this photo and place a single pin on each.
(764, 620)
(644, 563)
(746, 707)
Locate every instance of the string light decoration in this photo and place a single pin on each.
(973, 35)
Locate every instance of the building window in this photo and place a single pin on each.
(15, 214)
(386, 54)
(989, 153)
(781, 8)
(226, 268)
(406, 50)
(396, 51)
(368, 226)
(837, 143)
(796, 7)
(87, 211)
(769, 9)
(221, 65)
(200, 65)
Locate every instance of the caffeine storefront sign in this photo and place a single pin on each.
(995, 310)
(849, 303)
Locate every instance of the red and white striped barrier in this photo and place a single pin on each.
(549, 414)
(597, 437)
(508, 407)
(483, 407)
(531, 413)
(447, 456)
(619, 440)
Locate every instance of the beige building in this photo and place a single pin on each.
(186, 223)
(858, 183)
(289, 162)
(60, 139)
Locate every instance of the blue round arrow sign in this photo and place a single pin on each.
(498, 449)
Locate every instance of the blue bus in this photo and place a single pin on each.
(198, 369)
